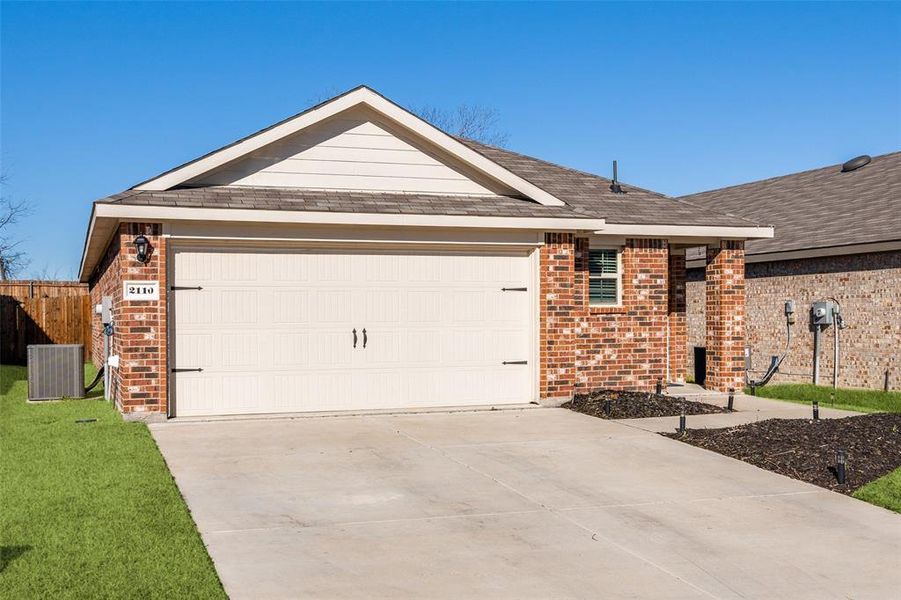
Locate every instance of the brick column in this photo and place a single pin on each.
(557, 304)
(678, 329)
(139, 339)
(725, 315)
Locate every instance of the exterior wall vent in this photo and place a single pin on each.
(55, 371)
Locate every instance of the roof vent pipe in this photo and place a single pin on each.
(853, 164)
(615, 187)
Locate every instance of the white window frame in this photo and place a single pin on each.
(618, 276)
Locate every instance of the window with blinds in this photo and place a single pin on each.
(604, 277)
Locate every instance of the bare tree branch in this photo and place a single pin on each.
(12, 260)
(471, 121)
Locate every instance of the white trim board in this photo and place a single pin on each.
(105, 218)
(357, 97)
(813, 253)
(686, 231)
(158, 213)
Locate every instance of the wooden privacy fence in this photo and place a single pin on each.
(42, 312)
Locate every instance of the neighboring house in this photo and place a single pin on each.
(355, 257)
(838, 236)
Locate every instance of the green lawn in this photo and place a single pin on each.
(885, 491)
(859, 400)
(89, 510)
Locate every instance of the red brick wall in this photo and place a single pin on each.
(725, 316)
(106, 281)
(139, 384)
(678, 329)
(868, 286)
(585, 347)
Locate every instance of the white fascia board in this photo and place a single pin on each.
(687, 231)
(179, 213)
(114, 213)
(87, 242)
(376, 102)
(821, 252)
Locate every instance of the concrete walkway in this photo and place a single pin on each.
(542, 503)
(747, 409)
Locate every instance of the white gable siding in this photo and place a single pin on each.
(347, 154)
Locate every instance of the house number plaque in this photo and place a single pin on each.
(141, 290)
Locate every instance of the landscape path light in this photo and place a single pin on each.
(841, 458)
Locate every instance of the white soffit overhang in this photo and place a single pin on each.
(687, 231)
(105, 218)
(356, 97)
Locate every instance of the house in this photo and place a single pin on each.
(355, 257)
(839, 236)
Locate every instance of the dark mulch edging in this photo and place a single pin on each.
(805, 449)
(637, 405)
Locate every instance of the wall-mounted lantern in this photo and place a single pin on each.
(142, 249)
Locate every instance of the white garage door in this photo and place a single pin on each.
(299, 330)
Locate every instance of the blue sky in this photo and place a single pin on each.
(98, 97)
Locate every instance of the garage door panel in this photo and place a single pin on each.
(196, 349)
(201, 393)
(286, 269)
(374, 306)
(240, 350)
(236, 306)
(380, 268)
(272, 330)
(241, 267)
(330, 305)
(419, 347)
(291, 306)
(194, 309)
(423, 306)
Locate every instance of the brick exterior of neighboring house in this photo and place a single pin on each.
(837, 235)
(139, 384)
(868, 286)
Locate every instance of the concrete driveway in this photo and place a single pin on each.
(541, 503)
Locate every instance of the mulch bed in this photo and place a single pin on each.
(805, 449)
(637, 405)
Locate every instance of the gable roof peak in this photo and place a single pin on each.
(398, 116)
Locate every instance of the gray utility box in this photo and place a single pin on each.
(55, 371)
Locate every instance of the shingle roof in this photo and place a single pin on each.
(585, 195)
(268, 198)
(819, 208)
(591, 194)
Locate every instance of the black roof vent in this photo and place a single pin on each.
(615, 187)
(856, 163)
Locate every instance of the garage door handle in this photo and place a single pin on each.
(522, 289)
(197, 370)
(355, 338)
(364, 337)
(175, 288)
(516, 362)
